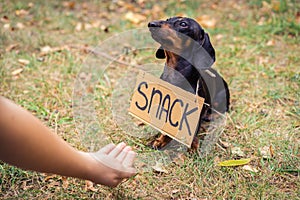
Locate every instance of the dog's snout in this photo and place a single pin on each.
(154, 24)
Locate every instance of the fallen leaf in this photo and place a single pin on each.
(69, 4)
(266, 152)
(49, 177)
(23, 61)
(21, 12)
(266, 7)
(65, 182)
(20, 25)
(250, 168)
(271, 42)
(53, 184)
(135, 17)
(30, 4)
(237, 152)
(271, 151)
(46, 49)
(6, 26)
(104, 28)
(11, 47)
(175, 191)
(224, 144)
(17, 71)
(257, 133)
(298, 17)
(79, 26)
(89, 185)
(275, 5)
(4, 19)
(159, 168)
(179, 160)
(206, 21)
(87, 26)
(232, 163)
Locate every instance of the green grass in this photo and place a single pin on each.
(257, 45)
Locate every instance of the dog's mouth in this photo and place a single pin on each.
(161, 35)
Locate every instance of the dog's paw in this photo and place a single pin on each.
(160, 142)
(195, 145)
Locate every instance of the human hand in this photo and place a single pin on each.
(112, 164)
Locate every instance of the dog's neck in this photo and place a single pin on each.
(178, 71)
(176, 62)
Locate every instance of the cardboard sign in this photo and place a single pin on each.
(170, 109)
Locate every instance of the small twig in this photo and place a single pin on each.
(97, 53)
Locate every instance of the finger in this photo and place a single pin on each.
(107, 149)
(129, 159)
(116, 151)
(123, 153)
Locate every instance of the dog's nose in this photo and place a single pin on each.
(154, 24)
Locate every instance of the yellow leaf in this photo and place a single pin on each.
(232, 163)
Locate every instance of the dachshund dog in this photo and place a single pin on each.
(189, 56)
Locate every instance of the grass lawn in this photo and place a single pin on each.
(45, 43)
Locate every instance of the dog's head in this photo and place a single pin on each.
(182, 36)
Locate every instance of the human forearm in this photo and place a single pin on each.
(25, 142)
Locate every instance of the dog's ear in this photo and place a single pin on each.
(206, 44)
(160, 53)
(203, 53)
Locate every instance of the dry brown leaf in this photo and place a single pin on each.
(23, 61)
(53, 184)
(20, 25)
(6, 26)
(266, 152)
(298, 17)
(89, 185)
(87, 26)
(179, 160)
(30, 4)
(135, 18)
(65, 182)
(224, 144)
(157, 12)
(46, 49)
(25, 187)
(139, 123)
(79, 26)
(159, 167)
(49, 177)
(21, 12)
(250, 168)
(17, 71)
(11, 47)
(237, 151)
(206, 21)
(271, 42)
(4, 19)
(275, 5)
(69, 4)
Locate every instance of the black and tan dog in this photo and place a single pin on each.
(189, 56)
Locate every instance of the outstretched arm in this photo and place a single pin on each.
(25, 142)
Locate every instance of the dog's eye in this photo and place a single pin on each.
(183, 24)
